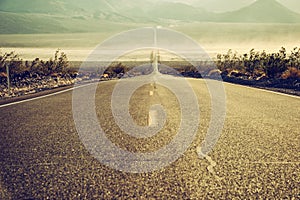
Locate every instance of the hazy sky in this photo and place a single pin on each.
(226, 5)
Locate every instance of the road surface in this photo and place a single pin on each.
(257, 155)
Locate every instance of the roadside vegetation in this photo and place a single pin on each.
(27, 77)
(279, 70)
(276, 70)
(257, 64)
(23, 69)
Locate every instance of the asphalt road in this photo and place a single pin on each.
(257, 155)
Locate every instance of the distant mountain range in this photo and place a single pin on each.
(37, 16)
(262, 11)
(231, 5)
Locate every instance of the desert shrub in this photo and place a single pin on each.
(13, 62)
(291, 72)
(256, 63)
(116, 68)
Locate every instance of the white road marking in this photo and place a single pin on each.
(44, 96)
(152, 113)
(212, 163)
(149, 119)
(152, 118)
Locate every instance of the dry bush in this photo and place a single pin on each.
(291, 72)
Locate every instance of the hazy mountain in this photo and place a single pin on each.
(177, 11)
(231, 5)
(134, 10)
(59, 16)
(35, 6)
(45, 16)
(29, 16)
(293, 5)
(69, 8)
(262, 11)
(219, 5)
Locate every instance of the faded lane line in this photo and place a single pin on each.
(152, 118)
(212, 163)
(264, 90)
(44, 96)
(152, 113)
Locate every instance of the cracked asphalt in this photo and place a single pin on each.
(257, 155)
